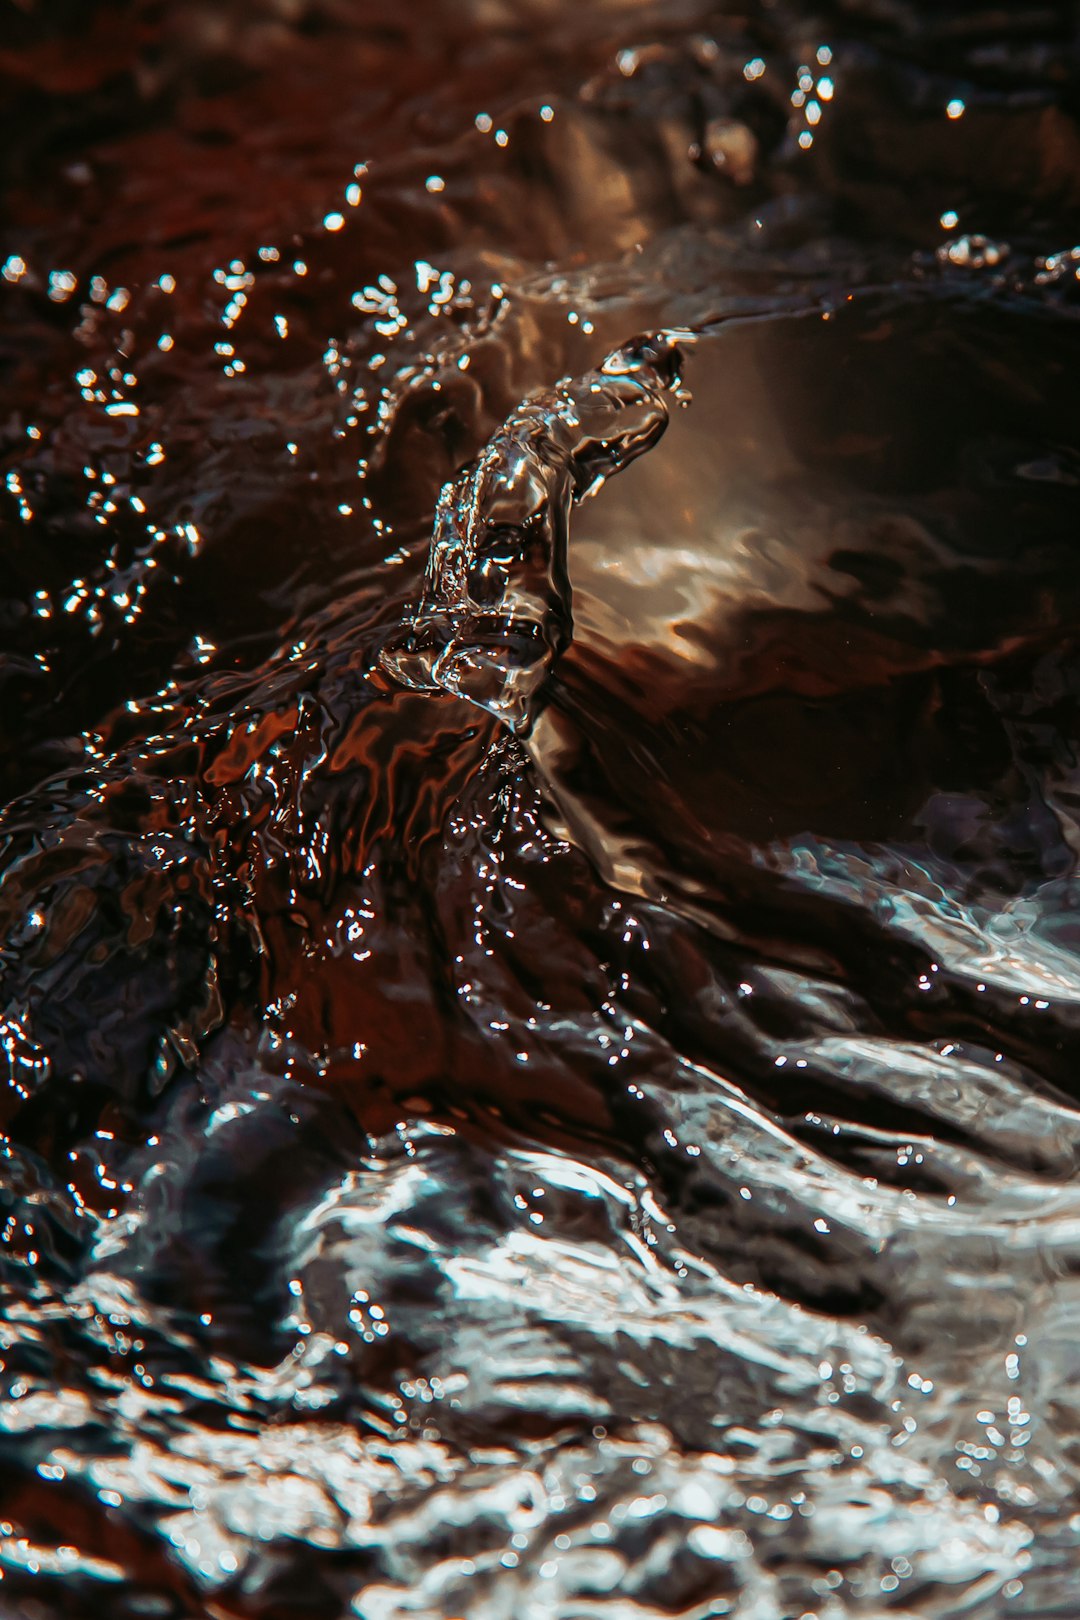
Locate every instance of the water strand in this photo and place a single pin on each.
(495, 613)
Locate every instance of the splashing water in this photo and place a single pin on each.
(539, 1022)
(495, 612)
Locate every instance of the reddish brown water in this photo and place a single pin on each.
(541, 1084)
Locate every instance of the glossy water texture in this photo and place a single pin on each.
(540, 1023)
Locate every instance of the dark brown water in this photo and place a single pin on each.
(540, 1024)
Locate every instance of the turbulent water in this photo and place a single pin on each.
(539, 1022)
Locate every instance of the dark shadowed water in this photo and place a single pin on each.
(540, 1025)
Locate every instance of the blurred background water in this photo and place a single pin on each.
(608, 1156)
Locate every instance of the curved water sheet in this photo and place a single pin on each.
(802, 605)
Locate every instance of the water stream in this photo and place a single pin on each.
(539, 725)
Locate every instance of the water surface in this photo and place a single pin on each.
(540, 1082)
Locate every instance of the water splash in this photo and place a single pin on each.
(606, 1147)
(495, 613)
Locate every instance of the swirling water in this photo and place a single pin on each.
(540, 1022)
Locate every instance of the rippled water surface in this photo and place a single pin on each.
(539, 1023)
